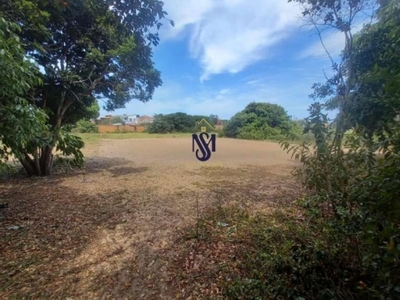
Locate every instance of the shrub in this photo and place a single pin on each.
(283, 258)
(342, 241)
(160, 126)
(356, 195)
(84, 126)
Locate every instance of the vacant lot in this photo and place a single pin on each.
(110, 231)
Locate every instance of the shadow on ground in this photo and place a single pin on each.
(50, 244)
(48, 227)
(111, 235)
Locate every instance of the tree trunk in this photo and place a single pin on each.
(46, 161)
(39, 165)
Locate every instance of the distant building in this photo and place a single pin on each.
(219, 124)
(145, 120)
(131, 119)
(104, 120)
(126, 120)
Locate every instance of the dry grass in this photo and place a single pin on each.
(110, 231)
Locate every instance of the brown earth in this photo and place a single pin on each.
(110, 231)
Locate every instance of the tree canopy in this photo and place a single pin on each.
(20, 121)
(375, 103)
(176, 122)
(85, 50)
(259, 121)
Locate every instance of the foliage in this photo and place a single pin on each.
(374, 104)
(20, 121)
(93, 111)
(343, 242)
(283, 258)
(84, 126)
(160, 125)
(86, 50)
(340, 16)
(353, 192)
(176, 122)
(116, 119)
(259, 121)
(213, 119)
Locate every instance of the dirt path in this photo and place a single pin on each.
(109, 232)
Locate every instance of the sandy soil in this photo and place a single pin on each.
(108, 232)
(178, 151)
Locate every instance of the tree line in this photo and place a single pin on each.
(180, 122)
(258, 121)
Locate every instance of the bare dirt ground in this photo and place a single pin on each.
(110, 231)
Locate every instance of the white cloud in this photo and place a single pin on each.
(184, 13)
(224, 91)
(229, 35)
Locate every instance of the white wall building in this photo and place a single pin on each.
(131, 119)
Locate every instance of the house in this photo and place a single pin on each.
(104, 120)
(145, 120)
(130, 119)
(219, 124)
(126, 120)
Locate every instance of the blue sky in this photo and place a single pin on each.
(223, 54)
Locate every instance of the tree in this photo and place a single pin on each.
(93, 111)
(85, 126)
(20, 121)
(375, 103)
(176, 122)
(116, 119)
(160, 125)
(87, 50)
(258, 121)
(213, 119)
(353, 191)
(338, 15)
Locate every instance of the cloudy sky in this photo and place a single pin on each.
(223, 54)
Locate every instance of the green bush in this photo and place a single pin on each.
(84, 126)
(160, 126)
(176, 122)
(282, 258)
(356, 195)
(342, 241)
(262, 121)
(252, 132)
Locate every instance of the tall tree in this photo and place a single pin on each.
(86, 49)
(337, 15)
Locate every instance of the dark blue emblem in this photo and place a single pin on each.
(203, 141)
